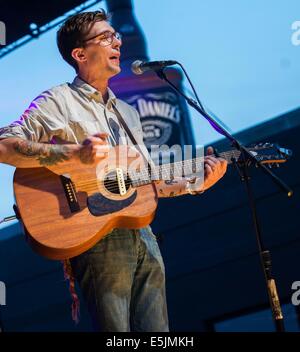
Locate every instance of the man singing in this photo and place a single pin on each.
(122, 277)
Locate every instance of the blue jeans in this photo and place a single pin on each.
(122, 279)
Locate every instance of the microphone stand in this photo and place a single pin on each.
(242, 167)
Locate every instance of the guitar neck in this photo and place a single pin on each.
(182, 168)
(230, 155)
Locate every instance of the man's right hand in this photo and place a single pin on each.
(93, 149)
(22, 153)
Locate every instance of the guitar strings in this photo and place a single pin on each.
(159, 170)
(111, 184)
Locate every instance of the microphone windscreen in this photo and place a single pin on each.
(135, 67)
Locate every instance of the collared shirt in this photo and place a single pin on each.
(71, 113)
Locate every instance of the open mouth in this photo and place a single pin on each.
(115, 58)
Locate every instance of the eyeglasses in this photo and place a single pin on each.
(106, 38)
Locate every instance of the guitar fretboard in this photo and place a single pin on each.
(184, 168)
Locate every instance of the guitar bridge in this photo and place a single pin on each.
(70, 193)
(121, 181)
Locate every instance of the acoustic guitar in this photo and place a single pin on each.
(67, 209)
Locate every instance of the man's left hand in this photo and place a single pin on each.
(214, 169)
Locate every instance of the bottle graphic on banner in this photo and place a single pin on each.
(164, 114)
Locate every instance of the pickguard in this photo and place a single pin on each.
(99, 205)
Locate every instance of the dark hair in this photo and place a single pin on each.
(74, 31)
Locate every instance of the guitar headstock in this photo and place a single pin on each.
(270, 153)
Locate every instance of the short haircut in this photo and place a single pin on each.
(74, 31)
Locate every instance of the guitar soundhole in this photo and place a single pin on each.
(111, 183)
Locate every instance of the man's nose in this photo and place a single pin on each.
(117, 42)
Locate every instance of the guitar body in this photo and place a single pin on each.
(66, 212)
(69, 207)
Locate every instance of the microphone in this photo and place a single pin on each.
(139, 67)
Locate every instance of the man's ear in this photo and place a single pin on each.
(78, 55)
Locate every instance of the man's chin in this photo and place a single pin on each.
(115, 70)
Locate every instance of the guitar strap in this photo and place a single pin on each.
(131, 136)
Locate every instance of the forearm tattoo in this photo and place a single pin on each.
(170, 182)
(170, 194)
(46, 154)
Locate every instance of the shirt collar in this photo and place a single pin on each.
(92, 93)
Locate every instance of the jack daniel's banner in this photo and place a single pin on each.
(160, 114)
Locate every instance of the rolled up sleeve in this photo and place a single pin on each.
(44, 119)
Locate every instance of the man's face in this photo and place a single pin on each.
(102, 60)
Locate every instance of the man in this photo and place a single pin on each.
(122, 277)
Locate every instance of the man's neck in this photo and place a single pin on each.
(97, 83)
